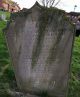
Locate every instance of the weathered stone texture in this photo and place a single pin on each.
(40, 44)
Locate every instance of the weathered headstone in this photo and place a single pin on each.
(3, 17)
(40, 43)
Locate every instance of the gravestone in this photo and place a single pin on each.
(3, 17)
(40, 44)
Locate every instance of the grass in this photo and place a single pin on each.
(4, 55)
(6, 71)
(7, 74)
(74, 84)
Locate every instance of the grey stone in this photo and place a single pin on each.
(40, 44)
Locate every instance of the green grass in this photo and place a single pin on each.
(4, 55)
(6, 71)
(74, 84)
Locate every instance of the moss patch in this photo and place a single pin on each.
(48, 16)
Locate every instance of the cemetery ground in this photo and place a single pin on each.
(7, 78)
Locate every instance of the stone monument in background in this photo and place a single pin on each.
(40, 44)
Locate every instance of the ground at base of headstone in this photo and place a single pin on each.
(19, 94)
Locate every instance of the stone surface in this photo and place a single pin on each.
(40, 43)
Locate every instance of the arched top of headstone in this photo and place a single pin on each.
(25, 11)
(36, 5)
(36, 10)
